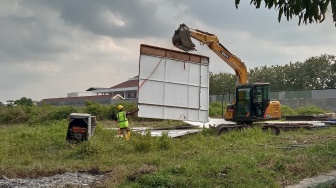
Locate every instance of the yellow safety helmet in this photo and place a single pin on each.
(120, 107)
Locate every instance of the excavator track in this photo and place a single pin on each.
(224, 128)
(275, 127)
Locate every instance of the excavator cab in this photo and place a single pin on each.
(182, 39)
(252, 101)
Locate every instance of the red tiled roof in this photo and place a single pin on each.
(128, 83)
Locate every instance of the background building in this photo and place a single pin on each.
(123, 92)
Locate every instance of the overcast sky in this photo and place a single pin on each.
(53, 47)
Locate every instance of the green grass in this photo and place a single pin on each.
(247, 158)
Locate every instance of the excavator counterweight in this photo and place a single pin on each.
(182, 39)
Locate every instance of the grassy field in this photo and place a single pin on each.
(248, 158)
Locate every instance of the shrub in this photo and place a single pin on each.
(63, 112)
(164, 142)
(85, 150)
(44, 113)
(144, 144)
(94, 109)
(109, 111)
(287, 111)
(14, 115)
(163, 180)
(216, 109)
(309, 110)
(41, 114)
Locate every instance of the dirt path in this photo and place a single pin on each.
(60, 180)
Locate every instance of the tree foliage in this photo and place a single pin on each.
(24, 101)
(220, 83)
(314, 73)
(308, 11)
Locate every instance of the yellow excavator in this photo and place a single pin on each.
(252, 101)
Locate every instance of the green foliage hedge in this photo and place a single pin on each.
(314, 73)
(287, 111)
(309, 110)
(301, 111)
(39, 114)
(216, 110)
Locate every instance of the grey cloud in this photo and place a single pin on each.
(24, 38)
(35, 37)
(259, 23)
(77, 45)
(140, 17)
(14, 77)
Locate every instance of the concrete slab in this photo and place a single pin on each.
(312, 123)
(214, 122)
(171, 133)
(330, 123)
(322, 181)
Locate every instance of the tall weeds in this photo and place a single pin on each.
(41, 114)
(246, 158)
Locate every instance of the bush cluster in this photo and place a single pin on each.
(39, 114)
(309, 110)
(301, 111)
(216, 109)
(287, 111)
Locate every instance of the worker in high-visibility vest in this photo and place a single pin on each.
(123, 121)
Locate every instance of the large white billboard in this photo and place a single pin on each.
(173, 85)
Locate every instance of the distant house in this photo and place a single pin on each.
(127, 89)
(123, 92)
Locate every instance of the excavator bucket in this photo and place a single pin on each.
(182, 39)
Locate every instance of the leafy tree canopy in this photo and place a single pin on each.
(317, 72)
(24, 102)
(308, 11)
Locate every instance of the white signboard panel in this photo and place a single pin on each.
(173, 85)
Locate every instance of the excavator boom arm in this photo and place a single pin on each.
(182, 40)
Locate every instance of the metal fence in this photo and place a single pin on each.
(325, 99)
(281, 95)
(323, 94)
